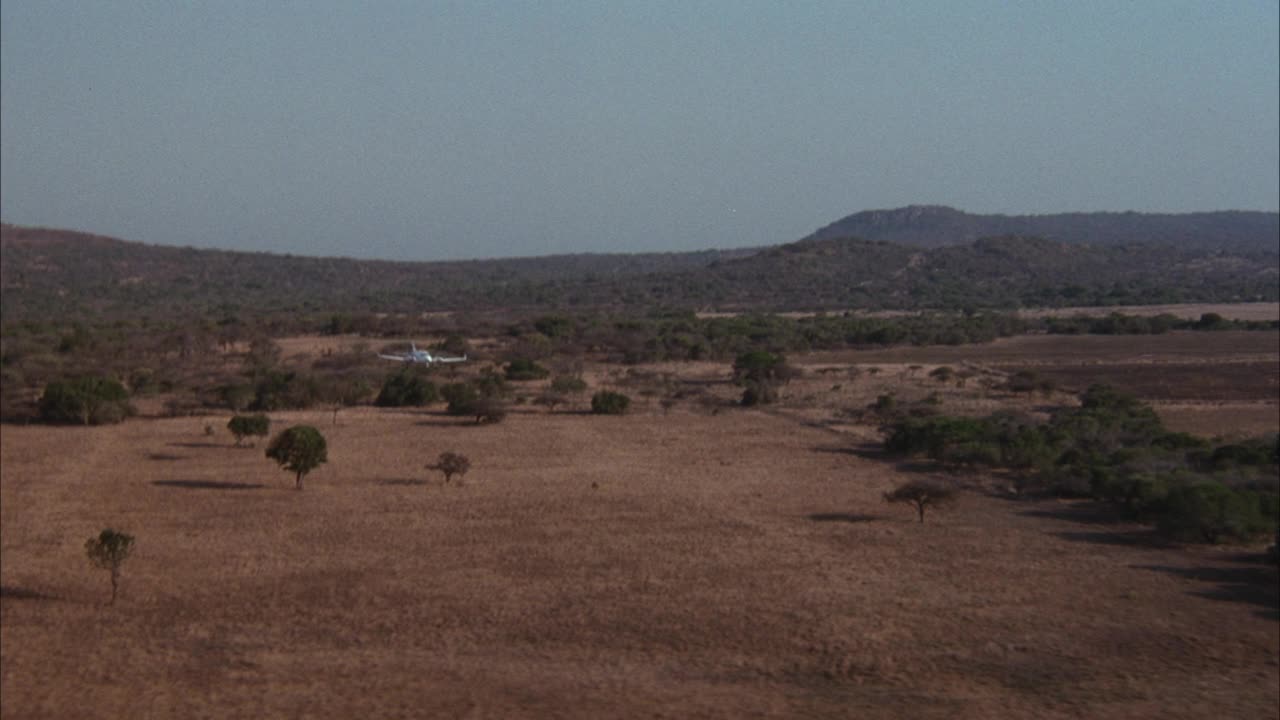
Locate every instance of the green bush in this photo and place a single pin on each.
(284, 390)
(1209, 511)
(242, 426)
(406, 389)
(469, 399)
(607, 402)
(89, 400)
(525, 369)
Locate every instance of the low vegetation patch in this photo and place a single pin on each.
(607, 402)
(1114, 448)
(88, 400)
(243, 426)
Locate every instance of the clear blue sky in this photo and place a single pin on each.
(433, 130)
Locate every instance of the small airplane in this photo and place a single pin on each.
(422, 356)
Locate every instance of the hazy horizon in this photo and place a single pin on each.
(410, 131)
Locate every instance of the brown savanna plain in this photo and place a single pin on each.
(690, 563)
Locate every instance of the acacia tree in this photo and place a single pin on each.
(300, 449)
(921, 494)
(109, 551)
(451, 463)
(761, 373)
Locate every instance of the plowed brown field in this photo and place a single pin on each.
(684, 565)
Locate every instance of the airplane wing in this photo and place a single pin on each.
(397, 358)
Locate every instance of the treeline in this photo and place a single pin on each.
(1115, 449)
(682, 335)
(1121, 324)
(162, 356)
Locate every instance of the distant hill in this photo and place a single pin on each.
(1009, 271)
(930, 226)
(60, 274)
(55, 271)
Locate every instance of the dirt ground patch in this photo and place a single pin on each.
(1215, 384)
(740, 564)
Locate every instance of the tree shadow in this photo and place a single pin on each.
(451, 421)
(843, 517)
(206, 485)
(1085, 513)
(1137, 538)
(165, 457)
(21, 593)
(868, 451)
(1253, 581)
(401, 481)
(839, 450)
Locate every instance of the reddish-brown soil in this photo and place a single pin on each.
(740, 564)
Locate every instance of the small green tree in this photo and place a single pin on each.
(109, 551)
(452, 463)
(243, 426)
(607, 402)
(300, 449)
(921, 494)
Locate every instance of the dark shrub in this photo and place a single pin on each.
(406, 389)
(452, 463)
(242, 426)
(1211, 512)
(88, 400)
(607, 402)
(525, 369)
(461, 398)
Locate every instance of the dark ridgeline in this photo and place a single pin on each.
(920, 257)
(930, 226)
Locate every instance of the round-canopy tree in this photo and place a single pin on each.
(300, 449)
(452, 463)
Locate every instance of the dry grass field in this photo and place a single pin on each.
(685, 564)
